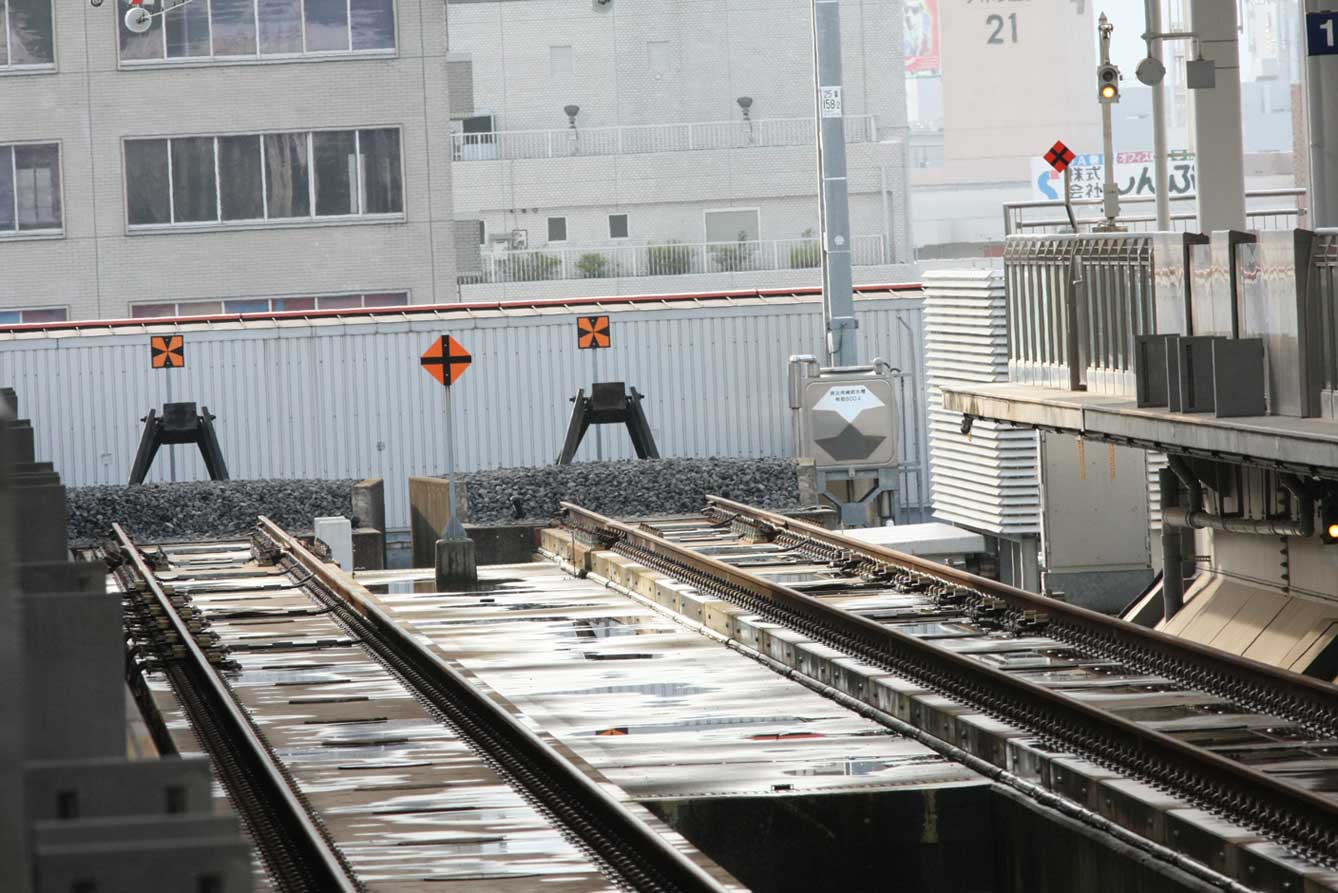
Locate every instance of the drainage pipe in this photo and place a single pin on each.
(1172, 556)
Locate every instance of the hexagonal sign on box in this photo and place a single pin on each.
(849, 419)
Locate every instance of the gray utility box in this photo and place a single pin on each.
(846, 421)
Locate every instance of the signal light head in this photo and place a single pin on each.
(1108, 83)
(1328, 519)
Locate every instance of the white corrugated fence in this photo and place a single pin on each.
(347, 398)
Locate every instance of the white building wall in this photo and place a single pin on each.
(645, 63)
(717, 51)
(90, 104)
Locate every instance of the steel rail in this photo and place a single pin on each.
(1310, 703)
(295, 849)
(632, 853)
(1290, 815)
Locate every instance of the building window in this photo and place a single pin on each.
(657, 56)
(557, 229)
(30, 189)
(271, 305)
(67, 804)
(560, 60)
(732, 225)
(617, 226)
(259, 177)
(38, 315)
(242, 29)
(27, 39)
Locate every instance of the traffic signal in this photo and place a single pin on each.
(1328, 520)
(1108, 83)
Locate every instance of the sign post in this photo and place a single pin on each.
(446, 360)
(168, 352)
(592, 334)
(1321, 88)
(1060, 157)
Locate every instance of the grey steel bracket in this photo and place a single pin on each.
(609, 403)
(179, 423)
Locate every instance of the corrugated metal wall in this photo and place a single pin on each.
(347, 398)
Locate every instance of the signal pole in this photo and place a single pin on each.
(1108, 93)
(838, 304)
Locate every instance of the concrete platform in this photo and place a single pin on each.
(1277, 440)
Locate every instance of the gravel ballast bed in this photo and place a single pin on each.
(201, 509)
(629, 488)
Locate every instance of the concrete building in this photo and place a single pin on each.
(658, 146)
(220, 163)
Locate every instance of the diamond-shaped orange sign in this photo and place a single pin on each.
(1060, 156)
(446, 360)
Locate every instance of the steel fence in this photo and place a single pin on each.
(1267, 209)
(666, 259)
(1075, 306)
(639, 139)
(1324, 285)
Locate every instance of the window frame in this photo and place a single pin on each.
(63, 308)
(316, 296)
(9, 68)
(568, 56)
(311, 219)
(17, 234)
(548, 231)
(706, 212)
(259, 58)
(627, 227)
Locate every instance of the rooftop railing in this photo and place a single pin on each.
(640, 139)
(664, 259)
(1265, 209)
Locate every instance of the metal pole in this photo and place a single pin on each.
(454, 529)
(887, 214)
(594, 372)
(171, 453)
(1219, 143)
(1321, 88)
(1110, 193)
(1068, 198)
(1172, 557)
(838, 303)
(1160, 173)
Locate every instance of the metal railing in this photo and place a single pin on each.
(1324, 283)
(1075, 306)
(1264, 209)
(665, 259)
(640, 139)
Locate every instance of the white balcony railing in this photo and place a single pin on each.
(640, 139)
(666, 259)
(1265, 209)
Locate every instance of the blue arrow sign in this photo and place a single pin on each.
(1321, 32)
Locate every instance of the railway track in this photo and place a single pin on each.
(1248, 743)
(358, 759)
